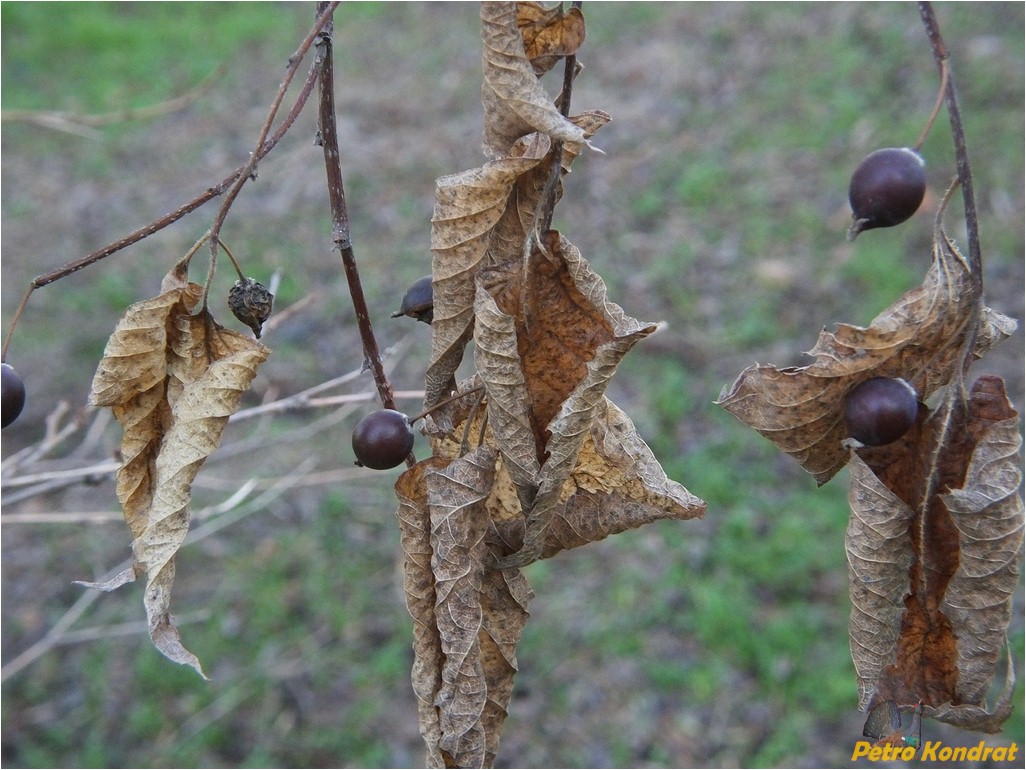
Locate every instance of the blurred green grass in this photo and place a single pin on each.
(719, 206)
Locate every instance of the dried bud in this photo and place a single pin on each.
(250, 302)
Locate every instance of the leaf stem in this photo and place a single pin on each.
(340, 231)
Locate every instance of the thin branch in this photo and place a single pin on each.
(548, 200)
(965, 174)
(172, 217)
(340, 231)
(325, 12)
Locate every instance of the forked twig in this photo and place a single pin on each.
(157, 225)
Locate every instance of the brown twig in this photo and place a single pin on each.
(965, 174)
(157, 225)
(324, 15)
(340, 230)
(548, 204)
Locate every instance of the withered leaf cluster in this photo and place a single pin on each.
(172, 376)
(533, 459)
(935, 538)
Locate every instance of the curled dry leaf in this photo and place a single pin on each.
(918, 338)
(538, 460)
(549, 33)
(483, 217)
(468, 208)
(172, 379)
(467, 618)
(616, 484)
(515, 104)
(934, 549)
(459, 514)
(547, 342)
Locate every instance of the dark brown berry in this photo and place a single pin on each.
(12, 390)
(880, 410)
(250, 302)
(418, 301)
(886, 189)
(382, 439)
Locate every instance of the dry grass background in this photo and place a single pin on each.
(718, 206)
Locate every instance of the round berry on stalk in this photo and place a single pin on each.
(880, 410)
(418, 302)
(12, 390)
(886, 189)
(382, 439)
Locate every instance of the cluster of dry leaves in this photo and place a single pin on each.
(935, 538)
(534, 459)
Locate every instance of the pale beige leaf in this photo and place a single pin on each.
(135, 359)
(498, 365)
(515, 104)
(505, 597)
(172, 378)
(988, 514)
(198, 419)
(879, 554)
(616, 485)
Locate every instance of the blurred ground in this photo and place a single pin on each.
(719, 206)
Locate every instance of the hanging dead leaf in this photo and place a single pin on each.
(934, 550)
(548, 341)
(468, 619)
(172, 379)
(549, 34)
(515, 104)
(538, 460)
(468, 206)
(419, 584)
(918, 338)
(483, 217)
(459, 516)
(617, 484)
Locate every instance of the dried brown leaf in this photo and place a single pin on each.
(419, 584)
(467, 619)
(918, 338)
(934, 549)
(549, 33)
(515, 104)
(617, 484)
(172, 378)
(547, 343)
(468, 207)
